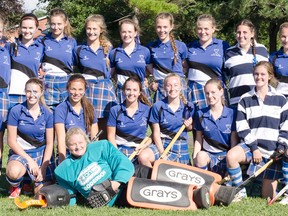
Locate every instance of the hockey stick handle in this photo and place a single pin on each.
(135, 152)
(259, 171)
(97, 135)
(164, 153)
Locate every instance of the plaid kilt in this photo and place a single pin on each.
(15, 99)
(218, 163)
(55, 89)
(196, 94)
(160, 94)
(178, 153)
(121, 96)
(102, 95)
(126, 150)
(37, 157)
(4, 104)
(273, 172)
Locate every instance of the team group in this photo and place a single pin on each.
(43, 95)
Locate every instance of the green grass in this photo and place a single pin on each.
(250, 206)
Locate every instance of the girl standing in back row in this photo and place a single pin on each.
(168, 55)
(58, 58)
(93, 63)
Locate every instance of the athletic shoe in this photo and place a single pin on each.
(284, 201)
(14, 192)
(240, 195)
(27, 189)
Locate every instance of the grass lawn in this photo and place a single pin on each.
(250, 206)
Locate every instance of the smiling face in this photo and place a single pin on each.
(28, 29)
(205, 31)
(77, 145)
(76, 90)
(261, 76)
(57, 25)
(244, 36)
(163, 29)
(33, 93)
(128, 33)
(213, 94)
(173, 87)
(284, 38)
(132, 91)
(93, 30)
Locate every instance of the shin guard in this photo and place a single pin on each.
(164, 170)
(146, 193)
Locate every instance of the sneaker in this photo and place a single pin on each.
(27, 189)
(284, 201)
(240, 195)
(14, 192)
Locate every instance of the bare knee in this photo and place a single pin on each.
(202, 159)
(235, 156)
(146, 157)
(15, 170)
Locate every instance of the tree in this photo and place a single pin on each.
(10, 11)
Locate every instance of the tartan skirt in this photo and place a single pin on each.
(101, 94)
(178, 153)
(55, 89)
(37, 156)
(273, 172)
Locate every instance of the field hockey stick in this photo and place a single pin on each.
(187, 115)
(97, 135)
(135, 152)
(259, 171)
(32, 202)
(279, 194)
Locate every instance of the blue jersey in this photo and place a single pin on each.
(58, 55)
(20, 117)
(5, 72)
(162, 56)
(101, 161)
(212, 56)
(25, 62)
(130, 131)
(129, 65)
(216, 133)
(279, 60)
(91, 64)
(239, 67)
(65, 114)
(170, 122)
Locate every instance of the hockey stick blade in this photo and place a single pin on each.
(25, 204)
(280, 193)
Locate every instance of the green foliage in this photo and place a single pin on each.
(11, 11)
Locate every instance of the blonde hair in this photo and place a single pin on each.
(182, 97)
(270, 69)
(219, 84)
(282, 26)
(38, 82)
(59, 12)
(170, 17)
(104, 41)
(206, 17)
(75, 131)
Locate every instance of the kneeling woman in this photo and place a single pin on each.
(215, 130)
(30, 137)
(128, 122)
(167, 117)
(262, 126)
(89, 165)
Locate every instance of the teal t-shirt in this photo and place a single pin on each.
(101, 161)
